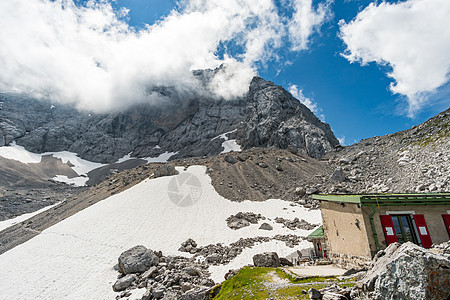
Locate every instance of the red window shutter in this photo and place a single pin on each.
(388, 229)
(447, 222)
(422, 228)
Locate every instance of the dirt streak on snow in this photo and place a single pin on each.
(74, 259)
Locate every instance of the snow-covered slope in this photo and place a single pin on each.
(74, 259)
(79, 165)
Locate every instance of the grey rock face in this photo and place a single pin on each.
(266, 259)
(137, 260)
(268, 116)
(276, 119)
(408, 271)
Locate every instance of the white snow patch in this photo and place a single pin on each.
(164, 157)
(74, 259)
(228, 145)
(81, 166)
(19, 153)
(8, 223)
(76, 181)
(125, 158)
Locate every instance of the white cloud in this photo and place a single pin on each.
(89, 56)
(308, 102)
(411, 37)
(307, 20)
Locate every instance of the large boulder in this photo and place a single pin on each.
(407, 271)
(266, 259)
(137, 260)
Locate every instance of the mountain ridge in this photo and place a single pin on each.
(267, 116)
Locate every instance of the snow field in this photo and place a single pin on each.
(10, 222)
(74, 259)
(80, 166)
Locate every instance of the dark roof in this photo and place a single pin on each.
(316, 234)
(389, 199)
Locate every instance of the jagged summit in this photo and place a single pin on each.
(267, 116)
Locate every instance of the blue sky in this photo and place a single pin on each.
(355, 100)
(366, 67)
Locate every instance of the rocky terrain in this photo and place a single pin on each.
(286, 153)
(399, 272)
(415, 160)
(188, 125)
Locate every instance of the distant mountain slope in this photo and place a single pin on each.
(268, 116)
(414, 160)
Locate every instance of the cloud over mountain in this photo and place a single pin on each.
(411, 37)
(88, 55)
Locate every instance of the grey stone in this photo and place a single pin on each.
(230, 159)
(266, 226)
(150, 272)
(137, 260)
(314, 294)
(192, 271)
(333, 296)
(124, 282)
(345, 160)
(338, 175)
(213, 258)
(266, 259)
(200, 293)
(408, 271)
(263, 165)
(285, 262)
(158, 292)
(148, 294)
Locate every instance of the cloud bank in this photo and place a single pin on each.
(89, 56)
(411, 37)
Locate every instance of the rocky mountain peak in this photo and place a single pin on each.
(267, 116)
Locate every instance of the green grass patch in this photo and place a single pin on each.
(246, 284)
(252, 283)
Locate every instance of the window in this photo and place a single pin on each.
(404, 228)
